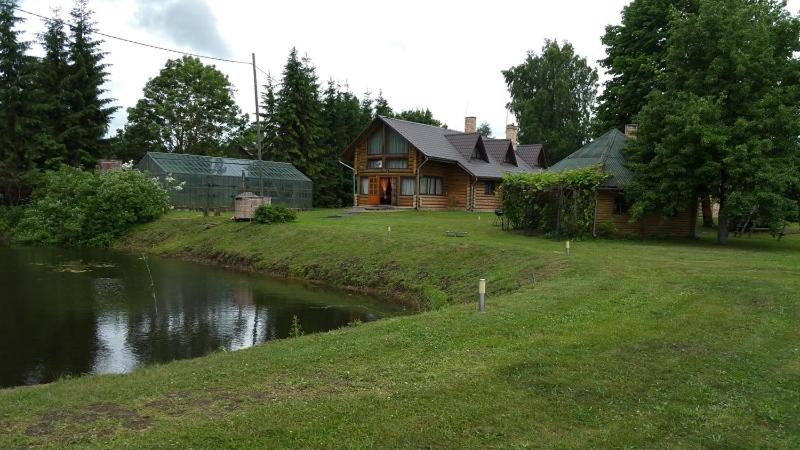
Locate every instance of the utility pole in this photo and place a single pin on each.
(258, 129)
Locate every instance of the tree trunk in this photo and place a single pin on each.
(722, 231)
(708, 214)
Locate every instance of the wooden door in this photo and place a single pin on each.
(374, 198)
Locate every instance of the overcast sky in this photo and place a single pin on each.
(443, 55)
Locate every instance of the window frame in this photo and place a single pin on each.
(426, 181)
(378, 164)
(621, 206)
(411, 180)
(363, 186)
(487, 190)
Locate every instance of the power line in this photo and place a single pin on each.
(131, 41)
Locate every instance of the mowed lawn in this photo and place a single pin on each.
(626, 343)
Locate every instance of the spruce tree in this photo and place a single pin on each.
(297, 117)
(269, 125)
(16, 121)
(367, 110)
(89, 113)
(51, 75)
(382, 107)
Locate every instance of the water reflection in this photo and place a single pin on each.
(70, 312)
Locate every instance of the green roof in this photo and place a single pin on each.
(605, 152)
(181, 163)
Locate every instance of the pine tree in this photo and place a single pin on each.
(382, 107)
(89, 113)
(16, 153)
(297, 117)
(52, 72)
(269, 125)
(367, 110)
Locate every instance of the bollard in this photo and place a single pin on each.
(389, 233)
(567, 247)
(482, 295)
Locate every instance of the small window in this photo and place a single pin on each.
(406, 186)
(489, 187)
(620, 205)
(375, 144)
(375, 164)
(397, 164)
(431, 186)
(364, 186)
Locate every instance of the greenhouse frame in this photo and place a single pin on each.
(213, 182)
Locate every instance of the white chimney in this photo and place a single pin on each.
(511, 134)
(470, 124)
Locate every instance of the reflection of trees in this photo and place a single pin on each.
(46, 328)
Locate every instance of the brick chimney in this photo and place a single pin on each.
(470, 124)
(631, 129)
(511, 134)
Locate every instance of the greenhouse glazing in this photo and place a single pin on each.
(213, 182)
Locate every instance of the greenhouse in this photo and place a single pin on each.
(213, 182)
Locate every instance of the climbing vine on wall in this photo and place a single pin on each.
(559, 204)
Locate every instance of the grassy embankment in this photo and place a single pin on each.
(625, 343)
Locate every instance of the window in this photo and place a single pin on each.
(375, 164)
(397, 164)
(431, 186)
(620, 205)
(363, 186)
(406, 186)
(375, 144)
(396, 144)
(489, 187)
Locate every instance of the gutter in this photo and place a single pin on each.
(355, 185)
(419, 169)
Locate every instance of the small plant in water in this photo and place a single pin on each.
(354, 323)
(295, 330)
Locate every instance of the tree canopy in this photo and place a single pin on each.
(552, 94)
(728, 121)
(187, 108)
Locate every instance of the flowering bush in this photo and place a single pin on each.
(76, 207)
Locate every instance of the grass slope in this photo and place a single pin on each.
(625, 343)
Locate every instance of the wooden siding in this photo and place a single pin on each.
(455, 190)
(360, 158)
(484, 201)
(651, 225)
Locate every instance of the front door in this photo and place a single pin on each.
(386, 187)
(374, 197)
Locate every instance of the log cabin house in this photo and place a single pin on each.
(607, 153)
(413, 165)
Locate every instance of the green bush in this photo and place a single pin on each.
(76, 207)
(606, 229)
(9, 218)
(560, 204)
(274, 214)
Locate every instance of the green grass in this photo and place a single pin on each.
(623, 344)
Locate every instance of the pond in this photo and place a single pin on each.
(68, 312)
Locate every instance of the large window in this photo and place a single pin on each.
(431, 186)
(397, 145)
(407, 186)
(397, 163)
(363, 186)
(375, 164)
(375, 144)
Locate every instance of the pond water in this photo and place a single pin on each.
(66, 312)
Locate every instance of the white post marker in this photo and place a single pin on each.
(482, 294)
(567, 247)
(389, 232)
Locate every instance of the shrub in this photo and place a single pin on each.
(274, 214)
(76, 207)
(606, 229)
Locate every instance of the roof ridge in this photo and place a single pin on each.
(421, 124)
